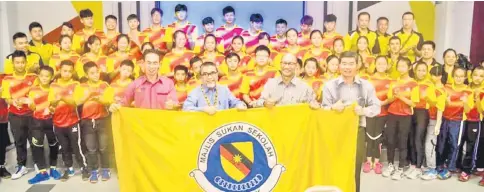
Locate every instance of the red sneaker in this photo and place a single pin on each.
(464, 177)
(366, 167)
(378, 168)
(479, 173)
(481, 183)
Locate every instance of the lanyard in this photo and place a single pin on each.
(208, 101)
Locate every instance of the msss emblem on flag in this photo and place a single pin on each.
(237, 157)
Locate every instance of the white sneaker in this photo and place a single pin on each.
(398, 174)
(389, 170)
(409, 171)
(21, 171)
(415, 174)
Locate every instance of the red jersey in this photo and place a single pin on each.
(159, 37)
(101, 62)
(427, 88)
(227, 34)
(454, 108)
(234, 83)
(16, 87)
(320, 55)
(92, 109)
(65, 115)
(135, 49)
(251, 41)
(440, 104)
(181, 93)
(382, 86)
(109, 44)
(474, 115)
(254, 83)
(57, 58)
(3, 105)
(172, 59)
(119, 89)
(405, 88)
(303, 40)
(277, 43)
(40, 98)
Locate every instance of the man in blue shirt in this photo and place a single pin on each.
(210, 97)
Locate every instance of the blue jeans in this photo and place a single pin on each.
(447, 144)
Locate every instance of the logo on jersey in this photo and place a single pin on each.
(237, 157)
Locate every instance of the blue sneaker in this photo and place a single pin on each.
(71, 172)
(430, 174)
(44, 176)
(105, 174)
(444, 174)
(94, 177)
(55, 174)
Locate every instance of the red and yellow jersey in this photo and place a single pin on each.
(218, 59)
(40, 98)
(198, 48)
(172, 59)
(189, 29)
(328, 40)
(243, 64)
(382, 86)
(474, 115)
(278, 43)
(319, 54)
(119, 88)
(160, 37)
(94, 109)
(109, 44)
(114, 60)
(439, 104)
(454, 108)
(16, 87)
(193, 82)
(3, 104)
(316, 84)
(101, 62)
(33, 59)
(65, 115)
(255, 81)
(134, 48)
(227, 34)
(57, 58)
(181, 93)
(303, 40)
(426, 94)
(234, 83)
(406, 88)
(81, 36)
(251, 41)
(275, 60)
(298, 51)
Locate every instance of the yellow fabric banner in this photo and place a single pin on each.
(285, 149)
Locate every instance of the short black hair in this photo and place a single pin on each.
(85, 13)
(349, 54)
(154, 10)
(382, 18)
(394, 38)
(194, 60)
(330, 18)
(47, 68)
(127, 62)
(404, 59)
(262, 48)
(230, 55)
(151, 51)
(35, 25)
(88, 65)
(17, 53)
(67, 62)
(331, 57)
(408, 13)
(147, 43)
(228, 9)
(313, 60)
(207, 20)
(68, 24)
(18, 35)
(307, 20)
(257, 18)
(264, 34)
(181, 68)
(364, 13)
(132, 16)
(181, 7)
(429, 43)
(110, 17)
(281, 21)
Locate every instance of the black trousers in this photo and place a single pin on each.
(70, 141)
(416, 141)
(374, 135)
(360, 155)
(20, 130)
(480, 148)
(4, 142)
(470, 136)
(96, 137)
(398, 127)
(38, 130)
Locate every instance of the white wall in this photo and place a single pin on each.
(316, 10)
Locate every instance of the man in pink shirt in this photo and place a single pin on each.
(151, 91)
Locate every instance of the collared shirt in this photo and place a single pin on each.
(148, 95)
(44, 49)
(335, 90)
(196, 100)
(297, 91)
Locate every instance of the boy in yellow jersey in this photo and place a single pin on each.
(330, 33)
(411, 40)
(95, 96)
(304, 40)
(66, 29)
(234, 78)
(109, 40)
(15, 89)
(181, 86)
(37, 44)
(383, 37)
(195, 64)
(82, 35)
(362, 30)
(229, 30)
(252, 87)
(20, 43)
(41, 126)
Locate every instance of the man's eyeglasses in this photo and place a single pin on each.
(213, 73)
(288, 63)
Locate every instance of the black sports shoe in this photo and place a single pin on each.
(85, 174)
(4, 173)
(65, 176)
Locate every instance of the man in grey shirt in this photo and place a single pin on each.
(347, 90)
(286, 89)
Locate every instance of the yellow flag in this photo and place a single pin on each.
(284, 149)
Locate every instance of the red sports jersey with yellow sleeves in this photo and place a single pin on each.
(406, 88)
(303, 40)
(16, 87)
(426, 94)
(81, 36)
(255, 81)
(382, 86)
(328, 40)
(227, 34)
(93, 108)
(40, 98)
(243, 64)
(65, 115)
(278, 43)
(172, 59)
(234, 83)
(198, 48)
(299, 52)
(218, 59)
(439, 105)
(454, 107)
(114, 62)
(3, 104)
(109, 44)
(189, 29)
(159, 37)
(319, 55)
(474, 115)
(317, 84)
(181, 93)
(101, 62)
(57, 58)
(135, 49)
(119, 88)
(251, 41)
